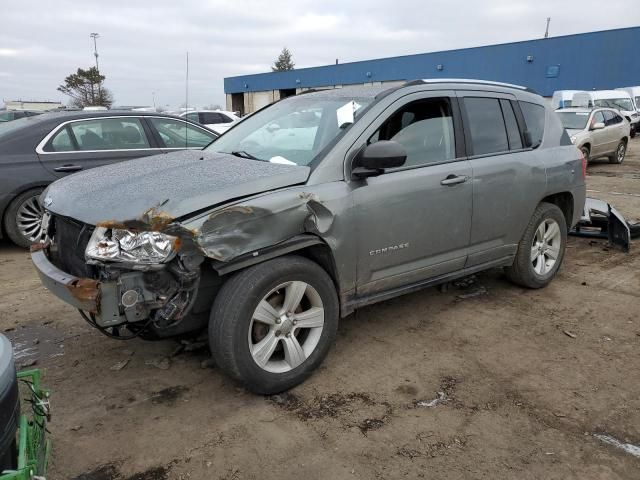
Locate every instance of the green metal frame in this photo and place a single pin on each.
(33, 445)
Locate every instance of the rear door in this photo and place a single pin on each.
(86, 143)
(508, 177)
(413, 222)
(174, 134)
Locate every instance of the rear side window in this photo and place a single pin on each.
(534, 118)
(62, 141)
(180, 134)
(208, 118)
(486, 125)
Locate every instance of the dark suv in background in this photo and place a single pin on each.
(269, 242)
(35, 151)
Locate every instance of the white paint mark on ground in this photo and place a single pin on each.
(627, 447)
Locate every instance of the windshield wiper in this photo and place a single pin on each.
(243, 154)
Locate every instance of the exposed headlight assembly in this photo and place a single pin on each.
(112, 244)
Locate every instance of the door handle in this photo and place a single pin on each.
(68, 168)
(453, 180)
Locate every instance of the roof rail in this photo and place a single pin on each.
(467, 80)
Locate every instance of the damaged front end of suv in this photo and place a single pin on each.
(156, 274)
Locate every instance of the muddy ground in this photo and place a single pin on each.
(524, 380)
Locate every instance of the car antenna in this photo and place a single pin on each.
(186, 105)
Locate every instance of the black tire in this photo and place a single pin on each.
(621, 151)
(233, 309)
(10, 217)
(9, 458)
(585, 151)
(522, 271)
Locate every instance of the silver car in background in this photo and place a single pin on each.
(599, 132)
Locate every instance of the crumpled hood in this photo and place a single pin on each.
(163, 187)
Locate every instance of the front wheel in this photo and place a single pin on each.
(541, 249)
(272, 324)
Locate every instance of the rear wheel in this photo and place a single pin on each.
(621, 151)
(272, 324)
(541, 250)
(23, 218)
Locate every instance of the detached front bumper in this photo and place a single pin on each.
(89, 295)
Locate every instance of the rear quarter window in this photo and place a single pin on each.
(534, 117)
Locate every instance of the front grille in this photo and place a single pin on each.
(70, 241)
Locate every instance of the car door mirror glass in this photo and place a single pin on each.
(375, 158)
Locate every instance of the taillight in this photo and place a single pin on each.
(584, 164)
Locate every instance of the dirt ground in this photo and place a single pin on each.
(525, 380)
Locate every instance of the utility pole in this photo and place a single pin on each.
(546, 32)
(95, 35)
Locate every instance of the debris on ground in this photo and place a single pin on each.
(163, 363)
(169, 395)
(627, 447)
(441, 398)
(569, 334)
(476, 292)
(601, 220)
(119, 365)
(27, 363)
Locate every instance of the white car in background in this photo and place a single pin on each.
(217, 120)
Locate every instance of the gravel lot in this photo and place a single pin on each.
(524, 381)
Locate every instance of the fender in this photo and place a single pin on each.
(258, 256)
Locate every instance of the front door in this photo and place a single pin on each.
(601, 138)
(413, 222)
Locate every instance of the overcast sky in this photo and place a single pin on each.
(142, 48)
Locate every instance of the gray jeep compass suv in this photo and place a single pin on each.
(310, 208)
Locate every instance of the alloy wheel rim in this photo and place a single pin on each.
(545, 248)
(29, 219)
(621, 152)
(286, 327)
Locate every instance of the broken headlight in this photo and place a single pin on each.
(125, 246)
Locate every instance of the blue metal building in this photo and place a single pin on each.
(595, 60)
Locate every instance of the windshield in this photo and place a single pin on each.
(292, 131)
(574, 120)
(618, 103)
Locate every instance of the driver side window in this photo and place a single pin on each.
(424, 128)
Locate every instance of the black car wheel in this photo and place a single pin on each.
(23, 218)
(541, 249)
(272, 324)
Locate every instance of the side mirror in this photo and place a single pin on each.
(597, 126)
(373, 159)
